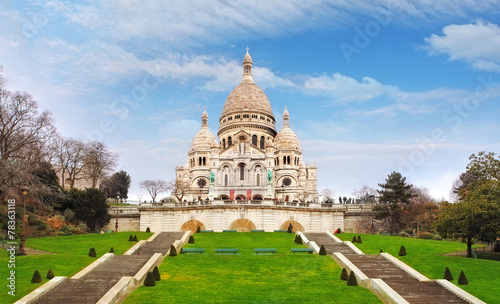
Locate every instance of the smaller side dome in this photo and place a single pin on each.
(286, 139)
(204, 139)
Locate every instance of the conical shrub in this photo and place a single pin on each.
(344, 276)
(92, 252)
(351, 281)
(198, 230)
(191, 239)
(173, 251)
(299, 240)
(322, 250)
(112, 250)
(354, 240)
(462, 279)
(380, 251)
(150, 280)
(290, 228)
(359, 239)
(447, 274)
(50, 274)
(36, 277)
(295, 241)
(135, 238)
(131, 238)
(402, 251)
(156, 274)
(148, 230)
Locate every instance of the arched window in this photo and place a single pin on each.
(204, 161)
(226, 180)
(262, 142)
(277, 161)
(284, 160)
(199, 161)
(258, 179)
(288, 159)
(229, 141)
(242, 171)
(223, 143)
(254, 140)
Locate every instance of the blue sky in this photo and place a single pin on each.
(371, 86)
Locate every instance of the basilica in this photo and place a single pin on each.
(251, 160)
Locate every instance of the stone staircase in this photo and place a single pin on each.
(94, 285)
(378, 267)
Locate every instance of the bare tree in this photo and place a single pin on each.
(423, 208)
(328, 194)
(154, 187)
(70, 156)
(21, 125)
(98, 162)
(366, 194)
(301, 196)
(179, 189)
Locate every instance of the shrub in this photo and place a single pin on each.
(426, 235)
(322, 250)
(131, 238)
(150, 280)
(156, 274)
(173, 251)
(497, 247)
(402, 251)
(290, 228)
(112, 250)
(437, 237)
(135, 238)
(447, 274)
(462, 279)
(191, 239)
(404, 234)
(92, 252)
(295, 241)
(148, 230)
(198, 230)
(354, 239)
(50, 274)
(339, 231)
(36, 277)
(299, 240)
(359, 239)
(380, 251)
(351, 281)
(344, 276)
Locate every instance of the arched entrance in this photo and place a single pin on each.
(257, 197)
(192, 226)
(223, 197)
(296, 226)
(242, 225)
(240, 197)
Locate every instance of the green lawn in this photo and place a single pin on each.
(426, 257)
(247, 278)
(70, 256)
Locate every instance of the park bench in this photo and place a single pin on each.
(257, 230)
(280, 230)
(309, 250)
(205, 231)
(229, 230)
(221, 251)
(193, 250)
(264, 250)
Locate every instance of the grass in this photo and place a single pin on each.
(247, 278)
(70, 256)
(427, 257)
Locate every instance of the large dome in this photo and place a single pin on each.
(247, 96)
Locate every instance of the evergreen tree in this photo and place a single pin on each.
(290, 228)
(462, 279)
(322, 250)
(447, 274)
(131, 238)
(92, 252)
(50, 274)
(359, 239)
(402, 251)
(148, 230)
(299, 240)
(173, 251)
(135, 238)
(90, 207)
(191, 239)
(395, 198)
(354, 240)
(352, 280)
(36, 277)
(198, 229)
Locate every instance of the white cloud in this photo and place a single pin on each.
(476, 43)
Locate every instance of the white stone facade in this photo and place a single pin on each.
(251, 160)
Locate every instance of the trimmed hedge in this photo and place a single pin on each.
(359, 239)
(447, 274)
(344, 276)
(402, 251)
(352, 280)
(290, 228)
(462, 279)
(150, 280)
(198, 230)
(131, 238)
(92, 252)
(50, 274)
(354, 240)
(322, 250)
(111, 250)
(156, 274)
(36, 277)
(173, 251)
(148, 230)
(191, 239)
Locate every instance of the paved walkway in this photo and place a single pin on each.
(94, 285)
(376, 266)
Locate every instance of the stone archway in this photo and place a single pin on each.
(296, 226)
(242, 225)
(192, 226)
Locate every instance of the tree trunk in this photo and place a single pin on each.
(469, 247)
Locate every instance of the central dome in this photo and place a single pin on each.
(247, 96)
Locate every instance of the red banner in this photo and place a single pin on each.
(249, 194)
(231, 194)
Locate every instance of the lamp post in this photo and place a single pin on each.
(117, 200)
(283, 193)
(372, 200)
(24, 192)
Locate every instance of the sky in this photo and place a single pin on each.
(372, 87)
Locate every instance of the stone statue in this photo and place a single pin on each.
(269, 175)
(212, 176)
